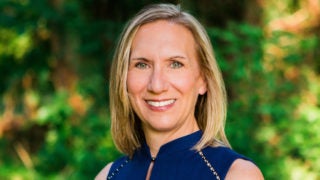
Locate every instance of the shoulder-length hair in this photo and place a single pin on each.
(210, 108)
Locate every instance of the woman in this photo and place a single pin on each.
(168, 103)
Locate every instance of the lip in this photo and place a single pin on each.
(160, 105)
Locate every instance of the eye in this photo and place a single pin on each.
(141, 65)
(176, 64)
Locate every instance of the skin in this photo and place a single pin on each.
(103, 173)
(242, 169)
(163, 84)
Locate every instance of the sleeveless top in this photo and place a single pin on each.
(176, 160)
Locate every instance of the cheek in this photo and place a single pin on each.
(135, 83)
(185, 83)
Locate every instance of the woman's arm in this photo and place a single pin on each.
(242, 169)
(104, 172)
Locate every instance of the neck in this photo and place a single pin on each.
(155, 139)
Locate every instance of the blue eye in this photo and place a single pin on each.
(175, 64)
(141, 65)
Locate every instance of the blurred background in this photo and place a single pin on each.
(55, 58)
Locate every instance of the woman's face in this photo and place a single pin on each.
(164, 78)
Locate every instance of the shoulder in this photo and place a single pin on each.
(104, 172)
(224, 154)
(112, 167)
(244, 169)
(229, 163)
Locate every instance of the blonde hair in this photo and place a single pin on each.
(210, 108)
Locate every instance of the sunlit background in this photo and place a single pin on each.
(55, 59)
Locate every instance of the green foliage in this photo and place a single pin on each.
(54, 62)
(270, 115)
(54, 79)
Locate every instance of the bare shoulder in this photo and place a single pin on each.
(104, 172)
(244, 169)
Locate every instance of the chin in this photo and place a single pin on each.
(161, 127)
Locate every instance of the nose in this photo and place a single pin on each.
(158, 81)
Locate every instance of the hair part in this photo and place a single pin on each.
(210, 108)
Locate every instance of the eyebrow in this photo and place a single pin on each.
(177, 57)
(146, 59)
(139, 59)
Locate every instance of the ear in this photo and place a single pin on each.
(203, 87)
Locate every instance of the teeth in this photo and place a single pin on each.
(160, 103)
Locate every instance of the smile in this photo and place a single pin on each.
(161, 103)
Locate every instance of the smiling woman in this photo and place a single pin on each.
(164, 81)
(168, 103)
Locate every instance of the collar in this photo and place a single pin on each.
(174, 146)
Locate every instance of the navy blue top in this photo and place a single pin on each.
(175, 160)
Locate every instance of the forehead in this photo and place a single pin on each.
(163, 32)
(164, 26)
